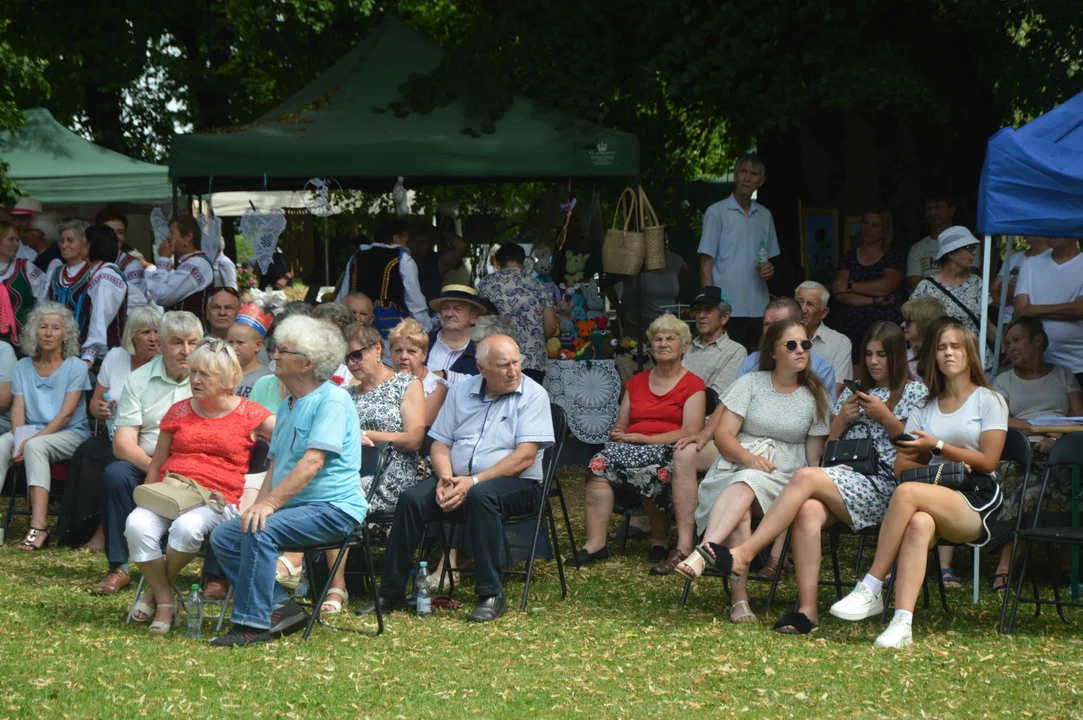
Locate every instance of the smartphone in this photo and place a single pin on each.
(854, 385)
(903, 436)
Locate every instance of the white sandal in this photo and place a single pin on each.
(142, 611)
(741, 613)
(292, 579)
(335, 605)
(162, 627)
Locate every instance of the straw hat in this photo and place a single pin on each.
(26, 206)
(462, 293)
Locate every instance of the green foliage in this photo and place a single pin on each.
(245, 253)
(19, 74)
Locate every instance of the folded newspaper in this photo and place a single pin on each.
(1055, 420)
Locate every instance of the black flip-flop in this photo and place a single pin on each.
(717, 556)
(795, 623)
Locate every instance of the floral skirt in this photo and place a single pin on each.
(644, 469)
(1058, 495)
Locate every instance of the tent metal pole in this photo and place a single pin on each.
(987, 261)
(1002, 309)
(639, 304)
(176, 198)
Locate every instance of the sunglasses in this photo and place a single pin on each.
(226, 289)
(356, 355)
(791, 345)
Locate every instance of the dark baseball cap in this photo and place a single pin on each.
(710, 296)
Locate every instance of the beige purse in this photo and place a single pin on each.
(764, 447)
(654, 235)
(622, 248)
(174, 496)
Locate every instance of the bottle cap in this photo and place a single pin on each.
(424, 564)
(195, 586)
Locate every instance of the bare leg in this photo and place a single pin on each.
(339, 581)
(739, 589)
(659, 524)
(599, 510)
(687, 464)
(730, 509)
(946, 554)
(807, 554)
(954, 520)
(919, 538)
(175, 561)
(39, 507)
(807, 483)
(97, 542)
(154, 572)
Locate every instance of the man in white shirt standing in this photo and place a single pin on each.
(833, 345)
(1050, 288)
(921, 260)
(735, 248)
(713, 355)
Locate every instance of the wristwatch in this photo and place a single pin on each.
(475, 477)
(939, 449)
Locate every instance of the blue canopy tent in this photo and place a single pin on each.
(1031, 183)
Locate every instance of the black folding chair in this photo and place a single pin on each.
(1067, 452)
(58, 473)
(1016, 450)
(359, 538)
(550, 489)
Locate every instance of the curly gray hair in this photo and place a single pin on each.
(71, 345)
(314, 340)
(488, 325)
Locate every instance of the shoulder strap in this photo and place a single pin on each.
(973, 318)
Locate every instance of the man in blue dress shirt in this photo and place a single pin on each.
(487, 449)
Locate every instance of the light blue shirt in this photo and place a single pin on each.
(733, 239)
(325, 420)
(481, 431)
(43, 397)
(820, 365)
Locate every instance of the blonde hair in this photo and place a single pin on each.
(364, 334)
(889, 226)
(143, 316)
(922, 310)
(670, 323)
(217, 358)
(409, 331)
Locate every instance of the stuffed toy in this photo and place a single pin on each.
(600, 341)
(552, 347)
(573, 267)
(543, 264)
(579, 311)
(601, 322)
(595, 301)
(586, 329)
(579, 344)
(566, 326)
(565, 354)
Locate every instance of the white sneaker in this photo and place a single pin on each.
(898, 635)
(859, 604)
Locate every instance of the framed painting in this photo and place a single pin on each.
(852, 233)
(820, 243)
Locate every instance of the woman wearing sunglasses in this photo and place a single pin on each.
(782, 413)
(819, 497)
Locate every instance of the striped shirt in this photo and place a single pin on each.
(481, 431)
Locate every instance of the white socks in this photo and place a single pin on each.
(874, 585)
(904, 616)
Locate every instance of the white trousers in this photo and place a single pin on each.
(144, 531)
(38, 454)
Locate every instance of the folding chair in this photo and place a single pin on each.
(1016, 450)
(712, 404)
(1067, 451)
(359, 538)
(550, 461)
(59, 474)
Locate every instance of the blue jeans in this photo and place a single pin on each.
(248, 559)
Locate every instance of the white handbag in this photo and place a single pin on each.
(764, 447)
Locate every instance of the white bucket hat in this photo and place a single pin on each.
(954, 238)
(27, 206)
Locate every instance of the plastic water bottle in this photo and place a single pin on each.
(411, 599)
(424, 592)
(110, 424)
(301, 591)
(761, 256)
(194, 613)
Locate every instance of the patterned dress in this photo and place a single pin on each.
(968, 294)
(380, 410)
(522, 298)
(856, 320)
(866, 498)
(788, 420)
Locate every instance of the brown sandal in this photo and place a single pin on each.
(669, 566)
(771, 569)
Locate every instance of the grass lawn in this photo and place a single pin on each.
(617, 647)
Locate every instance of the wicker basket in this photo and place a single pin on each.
(654, 235)
(623, 249)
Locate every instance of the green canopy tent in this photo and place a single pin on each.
(56, 166)
(339, 127)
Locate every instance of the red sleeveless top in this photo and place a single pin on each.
(215, 452)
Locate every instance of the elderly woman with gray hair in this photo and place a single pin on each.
(659, 407)
(207, 438)
(80, 510)
(311, 493)
(48, 413)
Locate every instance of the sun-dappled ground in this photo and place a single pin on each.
(617, 647)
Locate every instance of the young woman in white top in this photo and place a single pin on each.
(964, 420)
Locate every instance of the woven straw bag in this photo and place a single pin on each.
(654, 235)
(623, 249)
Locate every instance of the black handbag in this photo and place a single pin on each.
(860, 455)
(952, 475)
